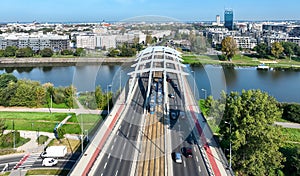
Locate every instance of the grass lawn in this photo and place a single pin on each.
(42, 139)
(47, 172)
(88, 121)
(4, 174)
(240, 60)
(54, 105)
(40, 121)
(291, 135)
(72, 145)
(33, 121)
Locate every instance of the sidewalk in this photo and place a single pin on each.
(32, 146)
(288, 125)
(49, 110)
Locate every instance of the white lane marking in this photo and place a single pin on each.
(130, 125)
(195, 149)
(117, 173)
(197, 158)
(115, 140)
(121, 157)
(199, 168)
(124, 146)
(184, 165)
(112, 147)
(127, 133)
(105, 165)
(118, 132)
(101, 174)
(108, 156)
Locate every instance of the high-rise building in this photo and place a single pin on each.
(228, 17)
(218, 20)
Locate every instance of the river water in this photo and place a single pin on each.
(210, 79)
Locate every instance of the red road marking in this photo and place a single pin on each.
(205, 144)
(102, 142)
(22, 161)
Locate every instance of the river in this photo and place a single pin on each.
(210, 79)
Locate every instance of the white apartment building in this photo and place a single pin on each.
(96, 41)
(35, 41)
(245, 42)
(86, 41)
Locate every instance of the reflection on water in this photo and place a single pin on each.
(283, 85)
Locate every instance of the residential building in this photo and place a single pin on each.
(35, 41)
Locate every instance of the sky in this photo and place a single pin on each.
(117, 10)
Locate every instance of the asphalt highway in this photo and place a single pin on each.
(118, 158)
(182, 134)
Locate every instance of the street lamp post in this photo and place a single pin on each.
(87, 135)
(120, 80)
(194, 83)
(51, 101)
(205, 95)
(229, 143)
(108, 86)
(81, 133)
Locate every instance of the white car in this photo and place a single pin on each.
(49, 162)
(178, 158)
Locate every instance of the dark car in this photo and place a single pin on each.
(187, 152)
(171, 96)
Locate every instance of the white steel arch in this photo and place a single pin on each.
(156, 59)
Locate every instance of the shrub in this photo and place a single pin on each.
(291, 112)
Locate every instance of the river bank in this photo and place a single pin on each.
(19, 62)
(241, 61)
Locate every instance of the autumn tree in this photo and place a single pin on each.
(254, 137)
(148, 39)
(276, 49)
(229, 47)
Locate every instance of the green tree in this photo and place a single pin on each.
(2, 126)
(79, 52)
(127, 50)
(229, 47)
(40, 96)
(7, 93)
(69, 96)
(46, 52)
(288, 48)
(276, 49)
(2, 53)
(113, 52)
(10, 51)
(291, 112)
(254, 138)
(292, 163)
(25, 94)
(199, 45)
(24, 52)
(99, 97)
(5, 79)
(66, 52)
(60, 133)
(262, 50)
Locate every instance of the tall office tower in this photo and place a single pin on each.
(218, 20)
(228, 16)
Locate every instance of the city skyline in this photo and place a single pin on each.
(118, 10)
